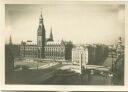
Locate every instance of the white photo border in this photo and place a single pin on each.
(58, 87)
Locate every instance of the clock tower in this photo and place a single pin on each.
(41, 39)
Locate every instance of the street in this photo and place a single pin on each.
(55, 73)
(71, 78)
(31, 76)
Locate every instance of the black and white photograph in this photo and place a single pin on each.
(65, 43)
(60, 91)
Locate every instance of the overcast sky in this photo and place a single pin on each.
(78, 22)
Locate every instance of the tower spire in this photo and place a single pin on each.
(10, 40)
(41, 15)
(41, 40)
(51, 35)
(41, 19)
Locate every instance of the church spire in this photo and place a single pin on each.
(10, 41)
(41, 15)
(41, 19)
(51, 35)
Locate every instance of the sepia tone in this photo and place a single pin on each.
(96, 60)
(64, 91)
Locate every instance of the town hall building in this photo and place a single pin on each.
(46, 48)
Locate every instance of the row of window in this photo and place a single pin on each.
(53, 45)
(51, 49)
(29, 55)
(48, 57)
(54, 55)
(31, 52)
(54, 49)
(22, 48)
(48, 54)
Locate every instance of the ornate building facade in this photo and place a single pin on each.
(58, 50)
(46, 48)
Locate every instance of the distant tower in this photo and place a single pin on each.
(41, 37)
(120, 47)
(10, 41)
(119, 41)
(51, 36)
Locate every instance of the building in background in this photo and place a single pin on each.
(119, 47)
(80, 55)
(118, 64)
(89, 54)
